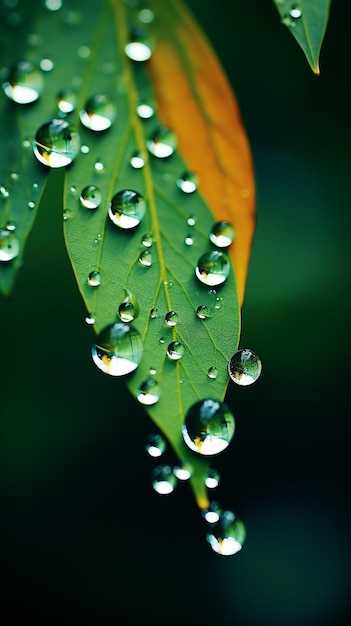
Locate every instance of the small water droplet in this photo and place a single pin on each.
(222, 234)
(145, 110)
(212, 372)
(24, 83)
(212, 513)
(162, 143)
(295, 12)
(175, 350)
(146, 16)
(162, 339)
(137, 160)
(94, 279)
(244, 367)
(90, 319)
(31, 204)
(154, 313)
(213, 268)
(208, 427)
(118, 349)
(84, 52)
(73, 189)
(187, 182)
(56, 143)
(10, 225)
(127, 209)
(183, 472)
(145, 258)
(99, 165)
(66, 101)
(47, 65)
(188, 240)
(84, 149)
(163, 479)
(139, 46)
(147, 240)
(212, 479)
(203, 312)
(9, 245)
(218, 302)
(228, 535)
(4, 192)
(191, 221)
(128, 310)
(99, 113)
(149, 392)
(171, 318)
(155, 445)
(90, 197)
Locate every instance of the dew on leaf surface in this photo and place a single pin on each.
(118, 349)
(147, 240)
(99, 165)
(56, 143)
(191, 221)
(94, 278)
(171, 318)
(212, 478)
(148, 392)
(154, 313)
(213, 268)
(212, 372)
(146, 15)
(162, 143)
(66, 101)
(208, 427)
(222, 234)
(163, 480)
(99, 113)
(187, 182)
(9, 245)
(155, 445)
(90, 197)
(203, 312)
(175, 350)
(244, 367)
(145, 258)
(25, 83)
(127, 209)
(128, 309)
(228, 534)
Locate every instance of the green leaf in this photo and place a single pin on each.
(307, 21)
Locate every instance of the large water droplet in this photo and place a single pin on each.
(228, 535)
(163, 479)
(162, 143)
(154, 313)
(127, 209)
(213, 268)
(155, 445)
(99, 113)
(149, 392)
(222, 234)
(187, 182)
(56, 143)
(118, 349)
(208, 427)
(24, 83)
(171, 318)
(175, 350)
(90, 197)
(9, 245)
(244, 367)
(139, 46)
(66, 101)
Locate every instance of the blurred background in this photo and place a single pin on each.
(85, 539)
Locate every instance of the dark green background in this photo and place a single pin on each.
(85, 539)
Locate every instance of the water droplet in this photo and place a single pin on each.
(188, 240)
(244, 367)
(53, 5)
(149, 392)
(213, 268)
(295, 12)
(187, 182)
(163, 479)
(212, 479)
(145, 110)
(47, 65)
(208, 427)
(222, 234)
(56, 143)
(66, 101)
(10, 225)
(203, 312)
(146, 16)
(183, 472)
(118, 349)
(84, 149)
(94, 279)
(139, 46)
(99, 113)
(147, 240)
(137, 160)
(162, 143)
(162, 340)
(31, 204)
(99, 165)
(152, 371)
(24, 83)
(175, 350)
(154, 313)
(191, 221)
(212, 513)
(128, 310)
(127, 209)
(84, 52)
(145, 258)
(171, 318)
(4, 193)
(218, 302)
(212, 372)
(90, 197)
(9, 245)
(155, 445)
(228, 535)
(90, 319)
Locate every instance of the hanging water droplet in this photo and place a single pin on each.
(222, 234)
(56, 143)
(175, 350)
(212, 479)
(24, 84)
(171, 318)
(228, 535)
(99, 113)
(145, 258)
(90, 197)
(188, 240)
(213, 268)
(94, 279)
(154, 313)
(212, 513)
(212, 372)
(187, 182)
(145, 110)
(9, 245)
(218, 303)
(191, 221)
(90, 319)
(162, 143)
(183, 472)
(208, 427)
(137, 160)
(244, 367)
(118, 349)
(203, 312)
(139, 46)
(155, 445)
(14, 176)
(148, 392)
(127, 209)
(66, 101)
(147, 240)
(163, 479)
